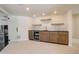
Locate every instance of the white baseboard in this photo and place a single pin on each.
(17, 40)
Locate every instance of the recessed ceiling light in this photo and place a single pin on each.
(43, 14)
(27, 9)
(55, 12)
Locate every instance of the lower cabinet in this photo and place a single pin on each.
(63, 37)
(31, 34)
(44, 36)
(60, 37)
(53, 37)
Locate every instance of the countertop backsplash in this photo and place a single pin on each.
(50, 27)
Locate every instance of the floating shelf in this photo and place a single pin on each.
(58, 24)
(45, 19)
(37, 25)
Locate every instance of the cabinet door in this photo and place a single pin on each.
(44, 36)
(53, 37)
(31, 35)
(63, 37)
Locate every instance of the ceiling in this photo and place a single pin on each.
(38, 9)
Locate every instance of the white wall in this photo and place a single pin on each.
(55, 19)
(24, 24)
(69, 25)
(12, 24)
(76, 26)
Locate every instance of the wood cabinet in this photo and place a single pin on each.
(63, 37)
(44, 36)
(31, 34)
(53, 37)
(60, 37)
